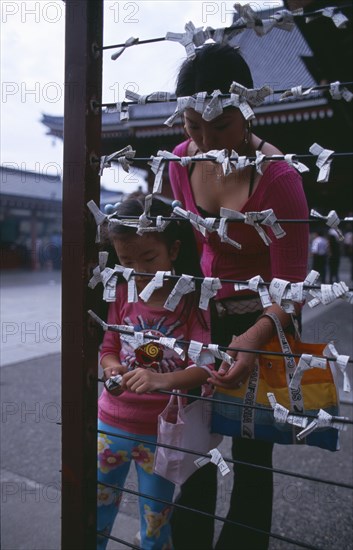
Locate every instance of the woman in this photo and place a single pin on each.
(238, 320)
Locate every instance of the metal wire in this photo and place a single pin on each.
(213, 516)
(339, 419)
(233, 461)
(235, 26)
(114, 328)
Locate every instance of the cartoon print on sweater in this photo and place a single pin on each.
(155, 520)
(150, 355)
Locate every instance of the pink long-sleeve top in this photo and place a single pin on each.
(281, 189)
(138, 413)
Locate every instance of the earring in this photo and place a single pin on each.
(248, 132)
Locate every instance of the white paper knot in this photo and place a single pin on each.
(171, 343)
(200, 224)
(129, 42)
(323, 161)
(296, 92)
(155, 283)
(123, 157)
(255, 219)
(227, 214)
(219, 354)
(209, 288)
(255, 96)
(184, 285)
(323, 420)
(129, 275)
(289, 159)
(216, 458)
(277, 289)
(97, 271)
(157, 166)
(341, 362)
(282, 19)
(143, 99)
(332, 220)
(195, 352)
(256, 284)
(122, 108)
(193, 37)
(328, 293)
(282, 416)
(338, 18)
(306, 362)
(340, 93)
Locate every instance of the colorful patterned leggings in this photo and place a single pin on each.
(114, 458)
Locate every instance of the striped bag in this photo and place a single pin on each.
(273, 403)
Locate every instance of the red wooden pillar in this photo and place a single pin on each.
(82, 139)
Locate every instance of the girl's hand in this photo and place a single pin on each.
(143, 380)
(113, 370)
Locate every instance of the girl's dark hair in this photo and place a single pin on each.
(214, 67)
(188, 258)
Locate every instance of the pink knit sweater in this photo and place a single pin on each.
(280, 188)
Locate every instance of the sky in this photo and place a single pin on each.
(32, 67)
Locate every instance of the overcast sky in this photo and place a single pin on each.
(32, 66)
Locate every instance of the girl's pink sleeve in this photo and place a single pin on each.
(111, 341)
(289, 255)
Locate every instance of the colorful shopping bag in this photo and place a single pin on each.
(247, 412)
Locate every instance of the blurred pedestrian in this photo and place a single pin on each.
(348, 248)
(334, 256)
(319, 251)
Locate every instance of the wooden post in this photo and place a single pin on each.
(82, 138)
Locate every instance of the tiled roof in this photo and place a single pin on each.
(276, 59)
(24, 183)
(42, 187)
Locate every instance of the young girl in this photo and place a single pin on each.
(144, 370)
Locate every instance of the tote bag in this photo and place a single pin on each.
(317, 390)
(186, 427)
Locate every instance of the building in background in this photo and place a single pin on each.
(30, 218)
(282, 60)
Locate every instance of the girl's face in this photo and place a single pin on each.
(147, 253)
(227, 131)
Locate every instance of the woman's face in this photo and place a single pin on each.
(227, 131)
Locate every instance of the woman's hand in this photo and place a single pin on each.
(233, 376)
(142, 381)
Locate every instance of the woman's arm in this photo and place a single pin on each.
(289, 259)
(254, 339)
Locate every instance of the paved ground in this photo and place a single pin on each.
(304, 510)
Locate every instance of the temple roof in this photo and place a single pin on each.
(280, 59)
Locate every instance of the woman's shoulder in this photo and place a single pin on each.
(182, 148)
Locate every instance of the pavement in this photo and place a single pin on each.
(314, 513)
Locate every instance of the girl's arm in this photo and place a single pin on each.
(144, 380)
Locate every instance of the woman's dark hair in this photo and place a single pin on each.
(214, 67)
(188, 258)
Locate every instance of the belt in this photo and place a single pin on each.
(232, 306)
